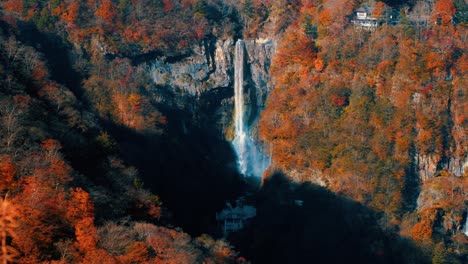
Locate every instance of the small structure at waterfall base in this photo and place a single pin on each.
(233, 219)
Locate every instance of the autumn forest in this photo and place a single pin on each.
(117, 126)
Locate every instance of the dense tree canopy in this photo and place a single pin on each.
(376, 115)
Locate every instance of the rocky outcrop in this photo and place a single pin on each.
(210, 68)
(259, 52)
(458, 163)
(258, 86)
(196, 73)
(427, 166)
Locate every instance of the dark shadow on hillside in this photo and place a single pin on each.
(326, 228)
(56, 51)
(190, 168)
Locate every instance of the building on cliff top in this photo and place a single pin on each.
(364, 19)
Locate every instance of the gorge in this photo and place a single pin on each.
(211, 74)
(126, 125)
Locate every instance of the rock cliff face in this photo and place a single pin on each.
(459, 159)
(259, 53)
(206, 68)
(208, 74)
(454, 157)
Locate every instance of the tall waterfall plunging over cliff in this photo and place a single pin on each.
(466, 225)
(240, 139)
(251, 159)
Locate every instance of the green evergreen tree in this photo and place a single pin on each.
(461, 16)
(247, 8)
(55, 3)
(309, 28)
(123, 6)
(45, 20)
(200, 8)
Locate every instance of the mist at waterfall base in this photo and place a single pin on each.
(252, 160)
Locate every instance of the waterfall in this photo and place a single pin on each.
(466, 225)
(251, 157)
(240, 136)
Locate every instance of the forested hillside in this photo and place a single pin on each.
(67, 196)
(378, 115)
(104, 160)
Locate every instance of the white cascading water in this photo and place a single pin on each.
(240, 135)
(252, 161)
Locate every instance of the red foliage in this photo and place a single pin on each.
(7, 172)
(325, 17)
(81, 214)
(80, 205)
(422, 231)
(72, 12)
(22, 100)
(318, 64)
(168, 5)
(339, 100)
(107, 11)
(443, 10)
(427, 89)
(138, 253)
(14, 6)
(51, 145)
(85, 233)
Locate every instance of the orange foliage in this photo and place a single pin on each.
(338, 100)
(107, 11)
(8, 223)
(171, 246)
(325, 17)
(379, 9)
(422, 231)
(168, 5)
(51, 145)
(86, 234)
(72, 12)
(7, 172)
(80, 205)
(138, 253)
(22, 100)
(81, 214)
(462, 64)
(200, 28)
(96, 255)
(435, 60)
(460, 120)
(318, 64)
(14, 6)
(296, 47)
(41, 204)
(39, 72)
(134, 100)
(385, 66)
(443, 10)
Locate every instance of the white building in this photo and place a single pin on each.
(363, 18)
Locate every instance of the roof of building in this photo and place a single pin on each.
(366, 9)
(243, 212)
(361, 10)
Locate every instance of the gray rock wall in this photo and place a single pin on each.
(209, 69)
